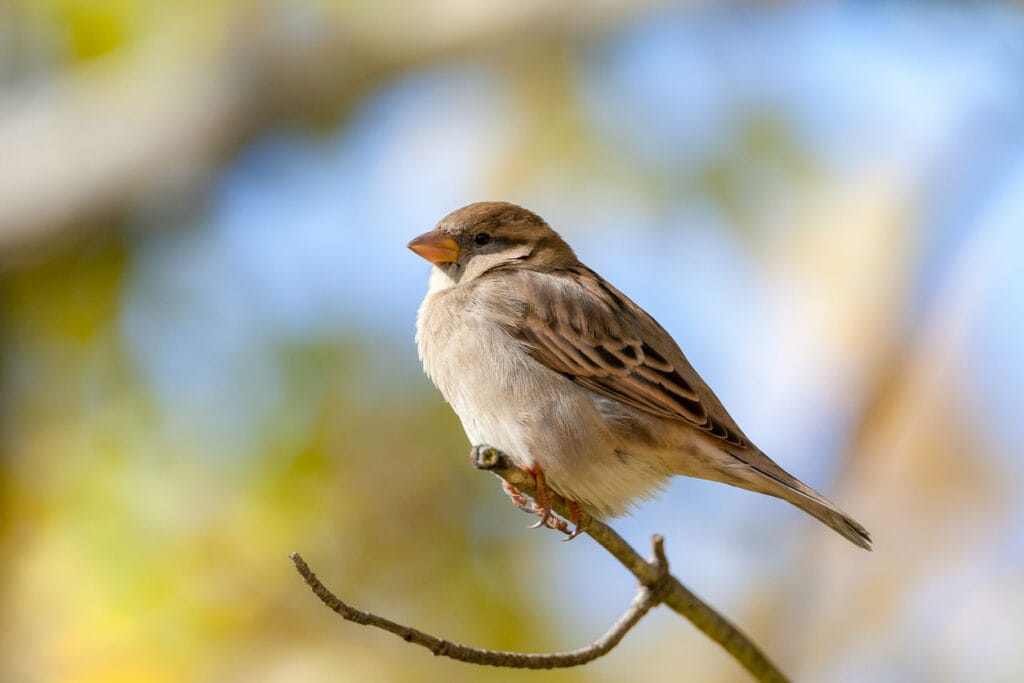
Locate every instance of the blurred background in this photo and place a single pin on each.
(207, 308)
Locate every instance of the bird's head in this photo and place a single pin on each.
(481, 237)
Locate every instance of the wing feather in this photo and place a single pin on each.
(581, 327)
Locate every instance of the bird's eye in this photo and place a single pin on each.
(482, 238)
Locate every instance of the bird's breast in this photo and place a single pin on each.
(487, 376)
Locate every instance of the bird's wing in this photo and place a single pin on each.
(580, 326)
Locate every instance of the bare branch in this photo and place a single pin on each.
(644, 600)
(657, 586)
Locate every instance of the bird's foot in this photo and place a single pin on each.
(485, 457)
(517, 497)
(578, 518)
(542, 508)
(542, 505)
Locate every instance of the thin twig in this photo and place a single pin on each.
(657, 586)
(642, 603)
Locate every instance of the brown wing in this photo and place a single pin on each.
(580, 326)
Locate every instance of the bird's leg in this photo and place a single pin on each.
(542, 505)
(521, 502)
(578, 518)
(485, 456)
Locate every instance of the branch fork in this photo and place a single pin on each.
(656, 586)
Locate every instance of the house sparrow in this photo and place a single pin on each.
(545, 360)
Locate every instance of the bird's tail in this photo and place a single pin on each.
(828, 513)
(771, 479)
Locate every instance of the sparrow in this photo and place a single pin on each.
(543, 359)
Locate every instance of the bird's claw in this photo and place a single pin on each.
(551, 522)
(542, 504)
(547, 520)
(524, 504)
(517, 497)
(579, 520)
(542, 507)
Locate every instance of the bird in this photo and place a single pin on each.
(543, 359)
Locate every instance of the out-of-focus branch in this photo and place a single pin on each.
(657, 586)
(150, 126)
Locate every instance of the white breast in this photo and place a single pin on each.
(483, 372)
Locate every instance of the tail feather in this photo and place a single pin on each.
(835, 518)
(771, 479)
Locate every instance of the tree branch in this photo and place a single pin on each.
(657, 586)
(677, 597)
(644, 600)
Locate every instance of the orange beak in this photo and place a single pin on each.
(436, 247)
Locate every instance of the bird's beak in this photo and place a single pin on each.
(436, 247)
